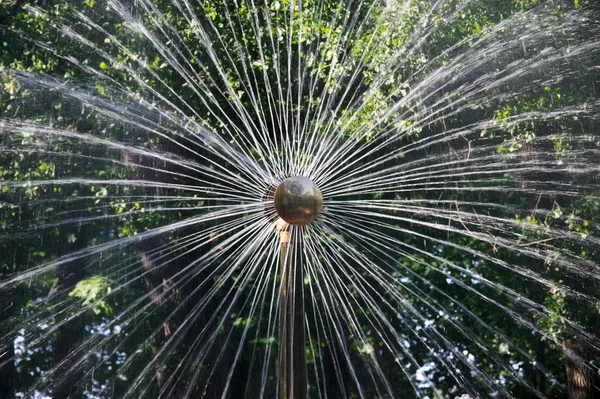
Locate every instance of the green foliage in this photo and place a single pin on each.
(92, 291)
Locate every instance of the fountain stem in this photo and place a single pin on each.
(293, 374)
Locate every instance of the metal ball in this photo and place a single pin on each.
(298, 200)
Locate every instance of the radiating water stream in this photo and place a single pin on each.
(456, 146)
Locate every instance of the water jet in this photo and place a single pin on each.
(458, 252)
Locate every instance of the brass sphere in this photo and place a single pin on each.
(298, 200)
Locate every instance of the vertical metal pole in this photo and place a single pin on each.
(293, 374)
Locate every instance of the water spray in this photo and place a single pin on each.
(298, 202)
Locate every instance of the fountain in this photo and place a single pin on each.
(298, 202)
(299, 199)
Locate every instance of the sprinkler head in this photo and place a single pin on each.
(298, 200)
